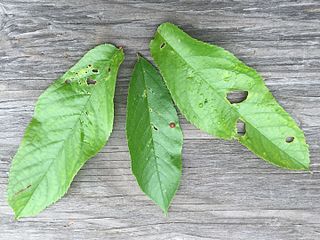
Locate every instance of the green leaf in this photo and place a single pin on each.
(72, 121)
(154, 135)
(200, 76)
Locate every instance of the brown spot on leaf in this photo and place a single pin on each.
(172, 125)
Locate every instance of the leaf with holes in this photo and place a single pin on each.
(72, 121)
(202, 78)
(154, 135)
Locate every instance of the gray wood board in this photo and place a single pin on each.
(226, 192)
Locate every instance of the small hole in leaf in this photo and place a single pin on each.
(91, 81)
(241, 127)
(95, 70)
(155, 128)
(162, 45)
(289, 139)
(89, 65)
(237, 96)
(172, 125)
(109, 69)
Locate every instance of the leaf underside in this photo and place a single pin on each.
(72, 121)
(200, 78)
(154, 135)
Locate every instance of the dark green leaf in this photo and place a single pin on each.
(154, 135)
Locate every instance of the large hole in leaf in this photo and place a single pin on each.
(289, 139)
(241, 127)
(237, 96)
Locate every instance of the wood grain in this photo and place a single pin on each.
(226, 192)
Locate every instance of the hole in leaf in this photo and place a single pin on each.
(289, 139)
(109, 69)
(155, 128)
(95, 70)
(89, 65)
(91, 81)
(163, 45)
(241, 127)
(237, 96)
(172, 125)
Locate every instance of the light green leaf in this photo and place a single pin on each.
(72, 121)
(154, 135)
(200, 76)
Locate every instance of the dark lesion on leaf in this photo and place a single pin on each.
(23, 190)
(109, 69)
(67, 81)
(172, 124)
(91, 81)
(95, 70)
(237, 96)
(289, 139)
(241, 127)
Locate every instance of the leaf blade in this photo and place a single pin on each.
(72, 121)
(199, 77)
(154, 135)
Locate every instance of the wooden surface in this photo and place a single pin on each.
(226, 192)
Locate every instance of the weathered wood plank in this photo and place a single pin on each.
(226, 192)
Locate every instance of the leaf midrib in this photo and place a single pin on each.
(152, 141)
